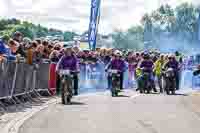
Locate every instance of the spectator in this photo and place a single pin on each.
(11, 52)
(50, 48)
(18, 37)
(52, 72)
(26, 42)
(30, 52)
(39, 53)
(39, 41)
(3, 50)
(46, 50)
(2, 47)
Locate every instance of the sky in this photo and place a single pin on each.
(73, 15)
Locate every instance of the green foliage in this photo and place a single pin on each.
(132, 39)
(162, 27)
(9, 26)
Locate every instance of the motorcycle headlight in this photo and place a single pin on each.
(167, 75)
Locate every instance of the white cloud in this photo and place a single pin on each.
(3, 9)
(74, 14)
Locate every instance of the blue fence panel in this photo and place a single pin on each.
(92, 77)
(186, 78)
(196, 82)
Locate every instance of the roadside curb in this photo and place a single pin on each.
(14, 125)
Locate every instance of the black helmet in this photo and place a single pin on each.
(146, 56)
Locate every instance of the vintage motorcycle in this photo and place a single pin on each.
(170, 81)
(115, 80)
(146, 84)
(66, 86)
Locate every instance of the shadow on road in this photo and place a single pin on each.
(179, 94)
(72, 103)
(122, 96)
(77, 103)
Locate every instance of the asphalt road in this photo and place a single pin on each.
(130, 113)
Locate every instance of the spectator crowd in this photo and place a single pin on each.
(38, 50)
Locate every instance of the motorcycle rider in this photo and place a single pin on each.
(146, 65)
(173, 63)
(69, 61)
(117, 64)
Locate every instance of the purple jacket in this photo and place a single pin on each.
(172, 64)
(118, 65)
(68, 62)
(147, 64)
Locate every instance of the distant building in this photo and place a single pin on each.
(104, 41)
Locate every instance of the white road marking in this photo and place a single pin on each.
(136, 95)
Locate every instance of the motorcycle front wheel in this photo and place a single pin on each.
(66, 96)
(63, 93)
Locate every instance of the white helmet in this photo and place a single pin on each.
(118, 53)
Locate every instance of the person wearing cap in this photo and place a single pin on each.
(173, 63)
(117, 64)
(70, 62)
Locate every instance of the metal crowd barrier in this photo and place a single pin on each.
(8, 70)
(19, 79)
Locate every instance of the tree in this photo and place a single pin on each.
(186, 20)
(26, 31)
(132, 39)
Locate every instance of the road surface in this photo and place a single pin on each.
(130, 113)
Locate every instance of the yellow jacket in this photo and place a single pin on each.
(138, 72)
(158, 67)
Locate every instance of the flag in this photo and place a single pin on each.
(199, 26)
(94, 22)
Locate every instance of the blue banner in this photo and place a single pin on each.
(94, 21)
(199, 27)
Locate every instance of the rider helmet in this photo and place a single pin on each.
(171, 56)
(69, 48)
(118, 53)
(146, 56)
(162, 56)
